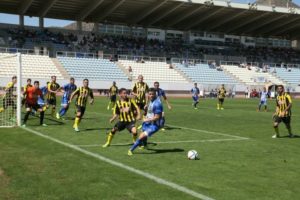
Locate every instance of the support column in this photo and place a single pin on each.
(79, 25)
(41, 22)
(21, 21)
(96, 27)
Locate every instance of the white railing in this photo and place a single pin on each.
(24, 51)
(75, 54)
(189, 61)
(282, 65)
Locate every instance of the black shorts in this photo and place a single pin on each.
(285, 120)
(9, 102)
(113, 98)
(80, 109)
(221, 100)
(141, 106)
(122, 125)
(32, 106)
(51, 101)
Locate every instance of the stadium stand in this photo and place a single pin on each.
(291, 76)
(202, 73)
(251, 75)
(154, 71)
(93, 69)
(33, 66)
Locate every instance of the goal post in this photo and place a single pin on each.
(10, 91)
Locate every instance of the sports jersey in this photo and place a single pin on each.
(113, 90)
(263, 96)
(32, 95)
(282, 102)
(68, 90)
(222, 93)
(125, 109)
(9, 89)
(44, 90)
(155, 107)
(160, 93)
(82, 96)
(195, 91)
(53, 87)
(140, 89)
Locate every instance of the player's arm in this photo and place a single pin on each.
(138, 111)
(76, 92)
(92, 97)
(134, 91)
(157, 111)
(116, 113)
(289, 101)
(166, 100)
(146, 96)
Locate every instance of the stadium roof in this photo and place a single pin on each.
(200, 15)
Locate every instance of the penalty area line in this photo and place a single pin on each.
(169, 142)
(123, 166)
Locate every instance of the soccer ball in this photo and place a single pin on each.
(192, 155)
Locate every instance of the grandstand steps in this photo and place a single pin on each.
(60, 68)
(233, 76)
(123, 68)
(183, 75)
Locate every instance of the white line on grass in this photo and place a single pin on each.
(209, 132)
(123, 166)
(170, 142)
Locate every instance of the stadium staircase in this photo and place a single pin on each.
(201, 73)
(154, 71)
(33, 66)
(61, 68)
(251, 77)
(93, 69)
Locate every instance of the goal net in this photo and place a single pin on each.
(10, 90)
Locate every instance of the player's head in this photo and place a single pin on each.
(36, 84)
(280, 89)
(140, 78)
(72, 80)
(86, 83)
(152, 93)
(53, 79)
(123, 93)
(29, 81)
(223, 85)
(14, 79)
(265, 89)
(195, 84)
(114, 83)
(156, 85)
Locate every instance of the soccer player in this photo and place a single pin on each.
(8, 99)
(82, 94)
(283, 111)
(24, 93)
(195, 95)
(124, 110)
(221, 97)
(139, 92)
(113, 90)
(152, 122)
(53, 88)
(263, 99)
(68, 90)
(32, 94)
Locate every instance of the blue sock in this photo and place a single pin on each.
(135, 145)
(62, 111)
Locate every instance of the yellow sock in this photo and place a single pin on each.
(109, 138)
(218, 105)
(77, 121)
(1, 109)
(134, 137)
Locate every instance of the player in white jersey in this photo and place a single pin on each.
(263, 99)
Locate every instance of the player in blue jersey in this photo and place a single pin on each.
(195, 95)
(68, 90)
(263, 99)
(152, 122)
(41, 101)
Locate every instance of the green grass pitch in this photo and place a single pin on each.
(238, 158)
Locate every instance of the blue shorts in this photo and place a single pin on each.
(263, 102)
(150, 129)
(195, 98)
(41, 102)
(64, 101)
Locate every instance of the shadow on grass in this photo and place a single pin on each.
(287, 136)
(159, 151)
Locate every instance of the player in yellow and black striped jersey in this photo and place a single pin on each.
(139, 91)
(9, 97)
(113, 91)
(128, 112)
(283, 111)
(25, 90)
(221, 97)
(53, 88)
(82, 93)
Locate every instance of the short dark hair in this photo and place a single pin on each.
(72, 79)
(36, 82)
(280, 86)
(122, 90)
(85, 79)
(29, 79)
(14, 77)
(156, 82)
(152, 90)
(53, 76)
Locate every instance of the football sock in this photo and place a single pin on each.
(135, 145)
(42, 117)
(26, 117)
(276, 130)
(77, 121)
(134, 137)
(109, 138)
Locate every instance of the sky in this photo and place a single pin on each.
(34, 21)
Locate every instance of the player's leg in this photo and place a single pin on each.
(119, 126)
(163, 120)
(42, 114)
(266, 107)
(287, 122)
(222, 103)
(277, 121)
(133, 130)
(53, 107)
(28, 111)
(259, 105)
(79, 115)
